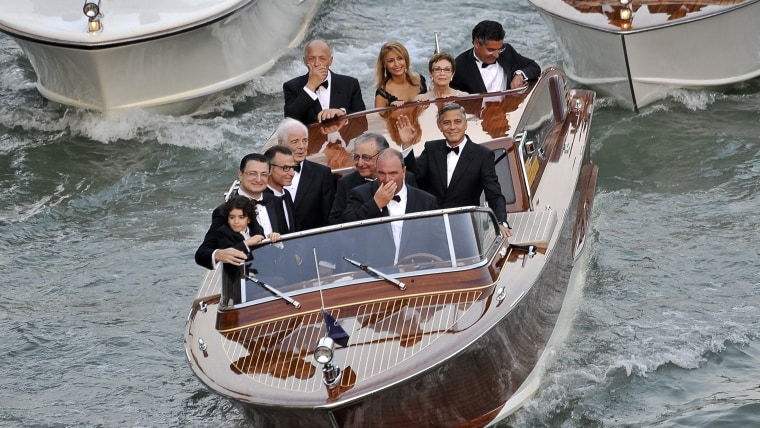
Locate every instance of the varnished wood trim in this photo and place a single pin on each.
(353, 295)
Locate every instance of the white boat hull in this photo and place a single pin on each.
(172, 73)
(639, 67)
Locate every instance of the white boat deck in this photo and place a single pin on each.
(64, 21)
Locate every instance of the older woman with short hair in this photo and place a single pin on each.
(442, 67)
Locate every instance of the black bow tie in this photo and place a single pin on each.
(397, 198)
(297, 167)
(323, 85)
(484, 65)
(262, 201)
(450, 149)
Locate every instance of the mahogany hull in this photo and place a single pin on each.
(457, 344)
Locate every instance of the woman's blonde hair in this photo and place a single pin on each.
(383, 76)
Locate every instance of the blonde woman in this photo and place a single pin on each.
(396, 83)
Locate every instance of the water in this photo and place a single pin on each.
(100, 216)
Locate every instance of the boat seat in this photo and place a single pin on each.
(532, 227)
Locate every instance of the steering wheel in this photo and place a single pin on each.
(418, 258)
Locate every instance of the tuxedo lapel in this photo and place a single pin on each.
(303, 185)
(278, 212)
(289, 209)
(473, 74)
(337, 98)
(440, 163)
(273, 211)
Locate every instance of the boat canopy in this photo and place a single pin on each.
(365, 251)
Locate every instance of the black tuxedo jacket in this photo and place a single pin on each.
(475, 174)
(211, 242)
(348, 182)
(345, 92)
(315, 195)
(279, 213)
(227, 238)
(380, 248)
(468, 79)
(361, 202)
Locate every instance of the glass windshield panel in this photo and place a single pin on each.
(425, 245)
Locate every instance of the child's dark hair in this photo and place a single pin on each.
(240, 202)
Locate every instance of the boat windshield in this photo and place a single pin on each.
(380, 249)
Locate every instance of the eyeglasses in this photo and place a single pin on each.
(286, 168)
(365, 158)
(493, 51)
(442, 70)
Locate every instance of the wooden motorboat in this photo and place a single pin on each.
(169, 56)
(323, 330)
(638, 50)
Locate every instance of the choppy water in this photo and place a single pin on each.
(100, 216)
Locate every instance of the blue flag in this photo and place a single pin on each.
(334, 330)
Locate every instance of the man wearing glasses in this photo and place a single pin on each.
(492, 65)
(281, 171)
(253, 177)
(366, 148)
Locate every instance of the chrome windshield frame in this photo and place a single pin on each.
(485, 250)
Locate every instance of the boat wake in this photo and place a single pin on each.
(525, 398)
(19, 213)
(63, 124)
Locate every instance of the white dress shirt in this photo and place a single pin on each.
(294, 184)
(493, 76)
(323, 94)
(262, 216)
(397, 208)
(452, 159)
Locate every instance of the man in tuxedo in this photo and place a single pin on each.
(366, 148)
(320, 94)
(389, 195)
(312, 188)
(281, 171)
(492, 65)
(253, 176)
(455, 169)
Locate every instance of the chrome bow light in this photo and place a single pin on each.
(323, 354)
(626, 13)
(91, 10)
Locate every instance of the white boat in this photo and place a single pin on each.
(455, 333)
(168, 56)
(636, 51)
